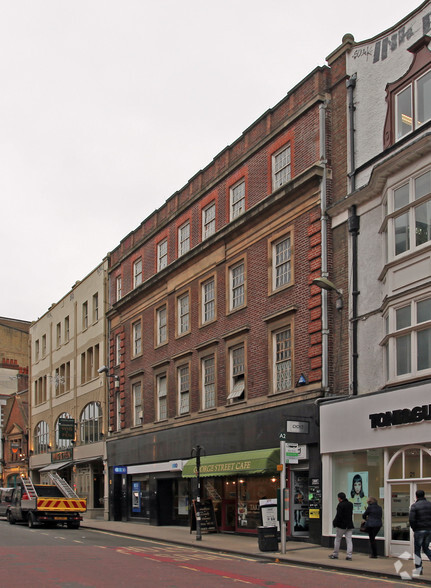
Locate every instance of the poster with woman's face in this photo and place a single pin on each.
(357, 490)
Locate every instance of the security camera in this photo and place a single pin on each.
(103, 370)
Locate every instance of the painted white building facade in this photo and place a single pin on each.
(390, 203)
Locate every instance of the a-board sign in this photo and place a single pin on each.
(208, 518)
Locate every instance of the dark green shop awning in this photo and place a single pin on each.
(260, 461)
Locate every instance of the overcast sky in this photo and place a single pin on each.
(108, 107)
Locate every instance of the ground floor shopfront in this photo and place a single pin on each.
(84, 473)
(377, 445)
(238, 472)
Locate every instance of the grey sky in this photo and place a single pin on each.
(108, 107)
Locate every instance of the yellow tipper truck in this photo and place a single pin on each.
(48, 504)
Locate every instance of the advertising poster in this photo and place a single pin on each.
(357, 490)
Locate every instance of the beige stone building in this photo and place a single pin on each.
(68, 412)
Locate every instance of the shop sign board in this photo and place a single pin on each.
(292, 452)
(297, 427)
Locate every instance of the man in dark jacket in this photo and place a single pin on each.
(343, 524)
(420, 522)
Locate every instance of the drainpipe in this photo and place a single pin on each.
(354, 232)
(353, 224)
(324, 254)
(351, 84)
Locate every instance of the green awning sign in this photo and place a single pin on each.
(259, 461)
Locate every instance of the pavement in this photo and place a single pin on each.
(297, 552)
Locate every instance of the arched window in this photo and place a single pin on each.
(62, 443)
(41, 437)
(91, 423)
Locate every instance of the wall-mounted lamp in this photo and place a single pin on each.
(326, 284)
(105, 370)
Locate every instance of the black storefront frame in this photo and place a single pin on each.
(228, 434)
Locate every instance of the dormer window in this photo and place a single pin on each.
(409, 98)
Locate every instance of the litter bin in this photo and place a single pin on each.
(267, 538)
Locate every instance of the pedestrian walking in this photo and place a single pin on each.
(420, 522)
(373, 523)
(343, 523)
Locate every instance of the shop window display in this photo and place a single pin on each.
(360, 475)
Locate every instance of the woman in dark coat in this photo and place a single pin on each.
(373, 523)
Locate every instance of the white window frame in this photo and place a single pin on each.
(398, 332)
(208, 220)
(162, 397)
(137, 272)
(95, 307)
(237, 291)
(208, 300)
(118, 411)
(162, 325)
(237, 369)
(58, 334)
(282, 262)
(403, 202)
(407, 121)
(237, 199)
(281, 167)
(183, 313)
(183, 375)
(282, 346)
(208, 382)
(66, 329)
(85, 315)
(137, 338)
(137, 403)
(118, 288)
(117, 349)
(162, 254)
(184, 238)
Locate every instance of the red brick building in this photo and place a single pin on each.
(216, 325)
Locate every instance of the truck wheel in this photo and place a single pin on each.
(73, 525)
(31, 521)
(10, 518)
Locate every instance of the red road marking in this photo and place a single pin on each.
(205, 570)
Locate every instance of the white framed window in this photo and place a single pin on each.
(184, 238)
(43, 345)
(413, 106)
(408, 339)
(117, 354)
(118, 288)
(282, 359)
(408, 221)
(85, 316)
(183, 313)
(41, 437)
(162, 325)
(137, 403)
(162, 397)
(184, 389)
(208, 220)
(118, 411)
(162, 254)
(91, 423)
(137, 272)
(208, 301)
(281, 167)
(66, 329)
(208, 382)
(237, 286)
(237, 373)
(58, 331)
(137, 338)
(281, 262)
(95, 307)
(36, 350)
(237, 199)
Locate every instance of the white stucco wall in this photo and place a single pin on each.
(376, 62)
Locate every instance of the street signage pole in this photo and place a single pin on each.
(282, 438)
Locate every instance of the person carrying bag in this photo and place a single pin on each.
(372, 523)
